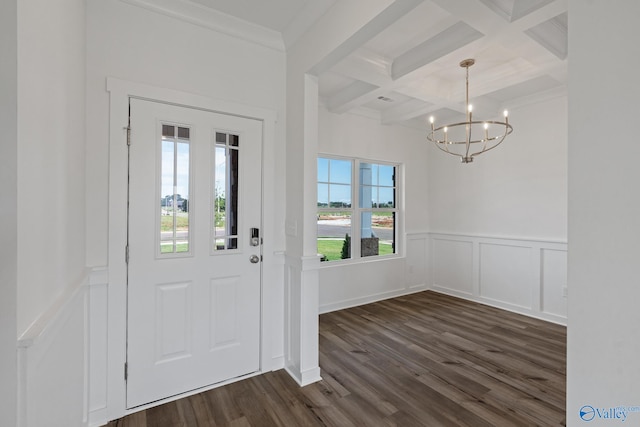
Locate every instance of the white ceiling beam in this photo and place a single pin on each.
(450, 39)
(385, 18)
(366, 66)
(355, 94)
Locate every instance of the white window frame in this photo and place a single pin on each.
(356, 210)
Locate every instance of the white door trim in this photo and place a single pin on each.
(120, 91)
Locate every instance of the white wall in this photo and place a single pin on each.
(8, 217)
(352, 283)
(604, 207)
(51, 172)
(517, 190)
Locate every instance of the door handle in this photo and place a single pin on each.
(254, 259)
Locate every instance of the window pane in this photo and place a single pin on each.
(386, 197)
(226, 192)
(183, 133)
(340, 171)
(386, 175)
(339, 196)
(366, 193)
(323, 170)
(168, 130)
(181, 210)
(377, 233)
(174, 191)
(219, 195)
(323, 195)
(232, 198)
(334, 235)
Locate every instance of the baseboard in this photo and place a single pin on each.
(368, 299)
(277, 363)
(304, 378)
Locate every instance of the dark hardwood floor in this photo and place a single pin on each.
(420, 360)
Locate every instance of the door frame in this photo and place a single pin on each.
(120, 91)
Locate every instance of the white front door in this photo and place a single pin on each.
(194, 253)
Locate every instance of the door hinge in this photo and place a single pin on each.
(126, 254)
(128, 129)
(126, 371)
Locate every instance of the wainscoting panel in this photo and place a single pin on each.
(524, 276)
(452, 262)
(52, 364)
(416, 267)
(98, 348)
(554, 278)
(501, 274)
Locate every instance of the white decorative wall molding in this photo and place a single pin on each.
(526, 276)
(301, 318)
(302, 263)
(53, 355)
(211, 19)
(98, 321)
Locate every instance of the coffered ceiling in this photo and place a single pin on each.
(410, 69)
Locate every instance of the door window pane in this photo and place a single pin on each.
(174, 190)
(226, 191)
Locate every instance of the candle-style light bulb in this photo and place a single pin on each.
(431, 119)
(445, 134)
(470, 108)
(486, 131)
(506, 116)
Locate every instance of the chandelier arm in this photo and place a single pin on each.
(507, 131)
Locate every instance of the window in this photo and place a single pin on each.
(371, 220)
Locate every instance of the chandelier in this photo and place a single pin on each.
(472, 137)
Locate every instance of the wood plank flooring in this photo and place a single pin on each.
(424, 359)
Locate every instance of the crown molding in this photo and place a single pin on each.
(211, 19)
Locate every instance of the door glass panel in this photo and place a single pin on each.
(174, 190)
(226, 189)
